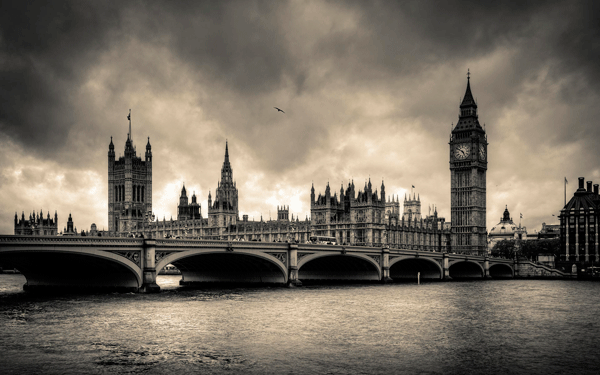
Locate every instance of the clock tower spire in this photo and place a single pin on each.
(468, 166)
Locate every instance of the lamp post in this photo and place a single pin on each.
(148, 218)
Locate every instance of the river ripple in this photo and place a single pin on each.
(492, 327)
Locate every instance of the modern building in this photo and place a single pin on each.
(579, 225)
(468, 166)
(36, 225)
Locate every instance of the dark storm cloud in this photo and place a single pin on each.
(248, 49)
(44, 49)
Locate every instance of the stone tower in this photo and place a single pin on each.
(468, 166)
(412, 208)
(129, 188)
(224, 210)
(283, 213)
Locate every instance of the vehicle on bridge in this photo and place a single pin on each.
(324, 240)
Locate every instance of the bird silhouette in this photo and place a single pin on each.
(280, 110)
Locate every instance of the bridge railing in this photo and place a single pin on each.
(8, 240)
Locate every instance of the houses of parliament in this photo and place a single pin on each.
(361, 217)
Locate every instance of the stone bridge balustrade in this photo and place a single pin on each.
(133, 263)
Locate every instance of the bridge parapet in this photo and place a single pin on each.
(76, 241)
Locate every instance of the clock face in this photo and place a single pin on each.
(482, 152)
(462, 151)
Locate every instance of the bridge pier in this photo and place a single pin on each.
(293, 267)
(149, 266)
(486, 268)
(446, 267)
(385, 266)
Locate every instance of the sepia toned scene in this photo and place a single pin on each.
(322, 187)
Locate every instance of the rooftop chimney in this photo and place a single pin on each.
(596, 189)
(589, 186)
(581, 183)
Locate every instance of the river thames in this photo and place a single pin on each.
(478, 327)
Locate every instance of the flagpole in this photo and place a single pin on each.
(565, 183)
(129, 118)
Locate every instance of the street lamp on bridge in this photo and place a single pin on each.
(148, 219)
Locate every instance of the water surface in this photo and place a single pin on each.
(492, 327)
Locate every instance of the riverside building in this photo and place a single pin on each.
(579, 225)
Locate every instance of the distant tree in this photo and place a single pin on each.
(531, 249)
(504, 248)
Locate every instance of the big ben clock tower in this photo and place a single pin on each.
(468, 166)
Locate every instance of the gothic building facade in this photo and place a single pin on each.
(223, 221)
(468, 166)
(36, 225)
(364, 218)
(355, 217)
(129, 188)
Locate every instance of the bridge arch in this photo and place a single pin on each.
(222, 266)
(466, 269)
(73, 268)
(501, 271)
(333, 267)
(407, 267)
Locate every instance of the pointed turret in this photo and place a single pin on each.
(468, 101)
(111, 149)
(148, 150)
(183, 199)
(468, 118)
(226, 171)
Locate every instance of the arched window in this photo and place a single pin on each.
(139, 188)
(143, 194)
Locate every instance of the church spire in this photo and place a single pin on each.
(226, 171)
(226, 152)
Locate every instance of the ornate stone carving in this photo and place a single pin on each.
(301, 255)
(281, 256)
(161, 254)
(376, 258)
(133, 256)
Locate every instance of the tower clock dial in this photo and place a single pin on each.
(482, 152)
(462, 151)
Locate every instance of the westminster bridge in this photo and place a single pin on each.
(131, 264)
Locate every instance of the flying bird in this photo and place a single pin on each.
(280, 110)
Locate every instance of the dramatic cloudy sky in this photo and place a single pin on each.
(369, 89)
